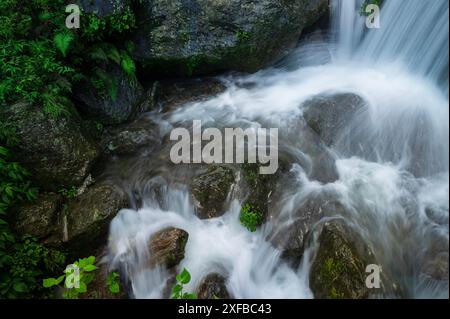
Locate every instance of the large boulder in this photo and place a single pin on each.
(213, 287)
(293, 236)
(54, 149)
(115, 102)
(166, 247)
(210, 191)
(39, 218)
(86, 218)
(199, 36)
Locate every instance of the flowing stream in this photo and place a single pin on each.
(391, 158)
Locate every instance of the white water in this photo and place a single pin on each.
(401, 72)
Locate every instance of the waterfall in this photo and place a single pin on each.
(391, 158)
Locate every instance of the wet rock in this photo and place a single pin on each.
(293, 238)
(55, 150)
(210, 191)
(213, 287)
(167, 247)
(174, 94)
(328, 115)
(190, 37)
(338, 270)
(110, 106)
(38, 218)
(130, 138)
(86, 218)
(437, 268)
(310, 152)
(259, 188)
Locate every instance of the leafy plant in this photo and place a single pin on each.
(62, 41)
(113, 282)
(69, 193)
(76, 278)
(177, 291)
(363, 8)
(250, 217)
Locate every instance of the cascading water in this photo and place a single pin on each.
(391, 158)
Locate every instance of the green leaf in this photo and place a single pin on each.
(89, 268)
(82, 288)
(190, 296)
(184, 277)
(49, 282)
(62, 41)
(60, 279)
(20, 287)
(176, 290)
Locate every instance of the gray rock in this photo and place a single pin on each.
(210, 191)
(174, 94)
(293, 238)
(38, 218)
(167, 247)
(130, 138)
(55, 150)
(201, 36)
(213, 287)
(328, 115)
(85, 220)
(103, 107)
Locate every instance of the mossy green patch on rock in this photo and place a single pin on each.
(338, 271)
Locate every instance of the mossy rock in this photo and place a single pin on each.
(338, 270)
(55, 150)
(85, 219)
(213, 286)
(210, 191)
(191, 37)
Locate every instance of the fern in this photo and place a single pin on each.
(62, 42)
(128, 65)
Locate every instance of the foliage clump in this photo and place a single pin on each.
(250, 217)
(177, 291)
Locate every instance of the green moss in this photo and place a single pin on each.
(250, 217)
(243, 36)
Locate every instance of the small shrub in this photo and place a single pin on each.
(182, 279)
(250, 217)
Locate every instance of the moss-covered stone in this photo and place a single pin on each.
(260, 187)
(85, 219)
(213, 287)
(193, 38)
(38, 218)
(338, 271)
(55, 150)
